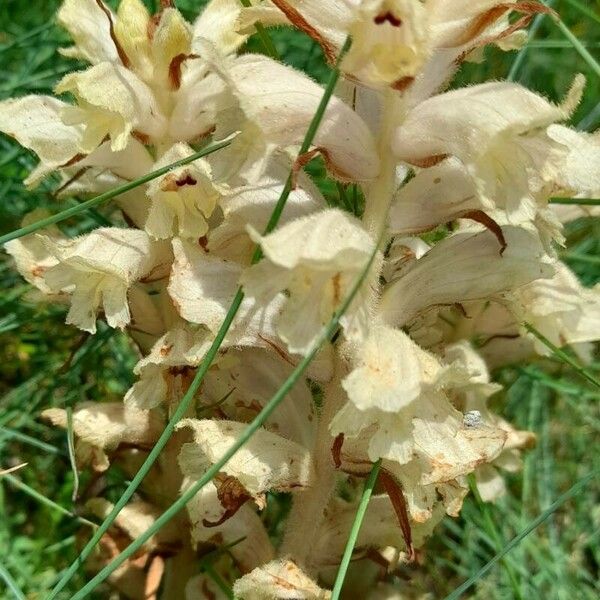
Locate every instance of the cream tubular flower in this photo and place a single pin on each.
(112, 102)
(465, 266)
(98, 269)
(35, 122)
(389, 42)
(100, 428)
(266, 462)
(273, 106)
(560, 308)
(316, 259)
(498, 131)
(183, 199)
(279, 579)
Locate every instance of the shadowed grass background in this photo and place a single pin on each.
(44, 363)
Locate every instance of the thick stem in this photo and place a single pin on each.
(379, 193)
(308, 510)
(178, 571)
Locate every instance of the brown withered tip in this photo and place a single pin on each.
(232, 495)
(336, 450)
(396, 496)
(388, 17)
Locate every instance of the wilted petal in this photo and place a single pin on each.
(111, 101)
(100, 428)
(98, 269)
(35, 122)
(89, 26)
(265, 462)
(279, 579)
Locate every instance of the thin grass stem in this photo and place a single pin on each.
(358, 519)
(577, 45)
(562, 355)
(576, 201)
(588, 12)
(11, 584)
(210, 571)
(573, 491)
(44, 500)
(263, 35)
(80, 208)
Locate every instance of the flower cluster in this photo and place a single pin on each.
(405, 379)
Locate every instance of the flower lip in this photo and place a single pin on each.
(388, 17)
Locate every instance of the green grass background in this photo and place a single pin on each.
(44, 363)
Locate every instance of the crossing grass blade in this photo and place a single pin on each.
(576, 201)
(264, 37)
(358, 519)
(577, 45)
(11, 584)
(573, 491)
(562, 355)
(43, 499)
(211, 353)
(84, 206)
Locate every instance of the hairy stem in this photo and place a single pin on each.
(308, 510)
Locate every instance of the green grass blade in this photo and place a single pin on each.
(588, 12)
(495, 534)
(562, 355)
(522, 53)
(327, 333)
(577, 45)
(358, 519)
(576, 201)
(71, 447)
(573, 491)
(27, 439)
(11, 584)
(210, 571)
(43, 499)
(76, 210)
(210, 355)
(265, 38)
